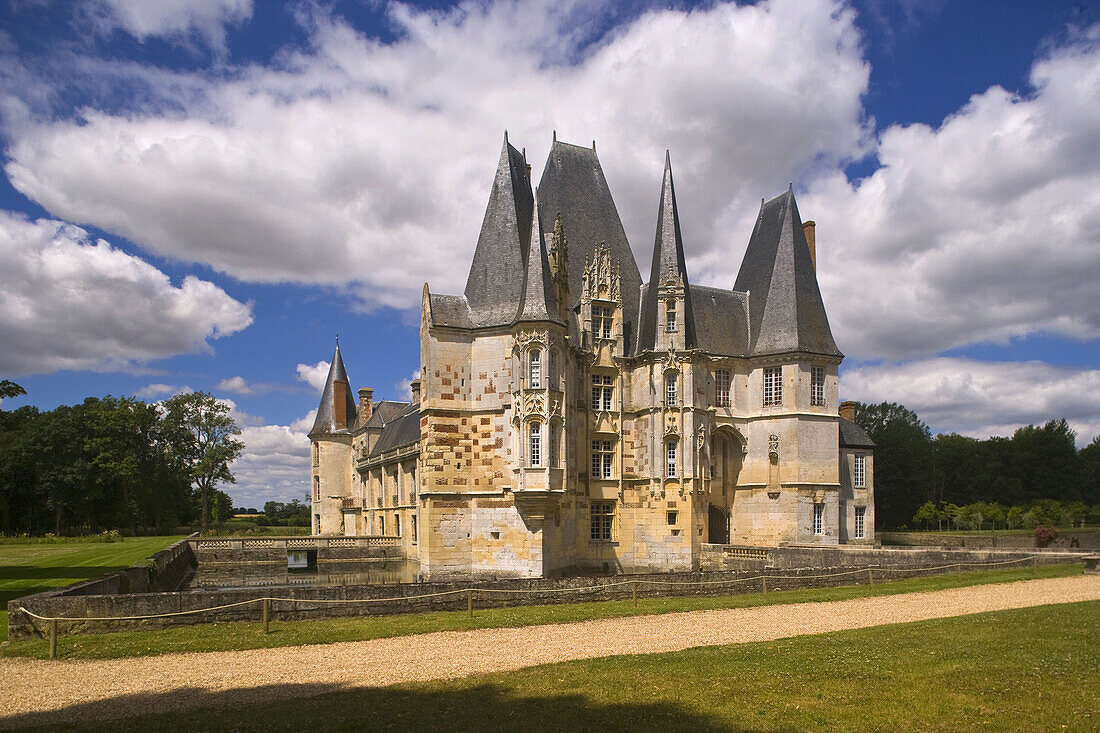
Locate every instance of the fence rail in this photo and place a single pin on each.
(485, 595)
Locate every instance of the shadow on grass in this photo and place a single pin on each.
(332, 707)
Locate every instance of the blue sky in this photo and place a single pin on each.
(201, 194)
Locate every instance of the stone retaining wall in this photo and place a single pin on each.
(1066, 539)
(539, 591)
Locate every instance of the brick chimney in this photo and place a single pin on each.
(414, 386)
(366, 406)
(808, 229)
(339, 407)
(848, 410)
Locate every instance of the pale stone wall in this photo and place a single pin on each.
(331, 483)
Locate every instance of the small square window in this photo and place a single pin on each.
(671, 517)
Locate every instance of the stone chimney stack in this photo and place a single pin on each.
(415, 387)
(366, 403)
(808, 229)
(848, 410)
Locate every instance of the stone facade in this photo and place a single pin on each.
(570, 418)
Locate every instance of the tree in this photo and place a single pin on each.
(1090, 459)
(201, 433)
(10, 389)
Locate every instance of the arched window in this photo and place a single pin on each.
(535, 371)
(534, 454)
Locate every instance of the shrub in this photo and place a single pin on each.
(1044, 534)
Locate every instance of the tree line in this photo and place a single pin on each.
(115, 463)
(913, 468)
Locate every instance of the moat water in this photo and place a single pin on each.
(276, 575)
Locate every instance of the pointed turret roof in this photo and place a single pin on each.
(539, 303)
(494, 287)
(328, 411)
(786, 313)
(668, 260)
(573, 185)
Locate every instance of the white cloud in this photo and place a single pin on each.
(67, 302)
(274, 465)
(368, 163)
(984, 229)
(239, 385)
(404, 387)
(173, 18)
(981, 398)
(157, 390)
(314, 375)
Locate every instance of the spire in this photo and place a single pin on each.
(539, 303)
(494, 288)
(786, 313)
(336, 413)
(668, 269)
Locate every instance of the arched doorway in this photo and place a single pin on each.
(718, 526)
(727, 453)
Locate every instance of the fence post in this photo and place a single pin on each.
(764, 583)
(1035, 562)
(267, 626)
(470, 602)
(53, 638)
(870, 576)
(634, 592)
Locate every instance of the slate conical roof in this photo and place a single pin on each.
(337, 386)
(574, 186)
(494, 287)
(539, 303)
(785, 309)
(668, 257)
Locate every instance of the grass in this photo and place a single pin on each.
(33, 568)
(1027, 669)
(231, 636)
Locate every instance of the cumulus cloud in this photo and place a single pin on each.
(238, 385)
(981, 398)
(172, 18)
(274, 465)
(404, 387)
(983, 229)
(275, 174)
(159, 390)
(314, 374)
(67, 302)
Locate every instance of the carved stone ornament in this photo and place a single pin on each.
(671, 361)
(702, 438)
(671, 279)
(672, 424)
(601, 279)
(773, 445)
(523, 338)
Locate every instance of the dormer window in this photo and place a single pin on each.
(670, 316)
(670, 390)
(602, 318)
(535, 371)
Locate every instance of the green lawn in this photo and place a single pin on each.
(1029, 669)
(32, 568)
(229, 636)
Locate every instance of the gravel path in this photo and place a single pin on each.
(43, 692)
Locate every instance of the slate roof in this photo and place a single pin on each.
(494, 287)
(384, 412)
(573, 185)
(785, 309)
(325, 423)
(853, 436)
(721, 320)
(451, 310)
(402, 430)
(539, 302)
(668, 256)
